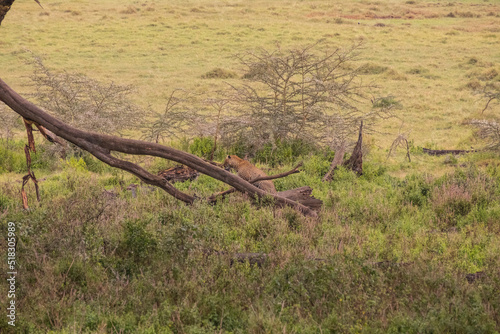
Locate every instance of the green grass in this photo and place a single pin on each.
(386, 255)
(157, 47)
(391, 248)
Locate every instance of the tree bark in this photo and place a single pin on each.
(355, 162)
(101, 146)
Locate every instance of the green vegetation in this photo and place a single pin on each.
(386, 255)
(391, 249)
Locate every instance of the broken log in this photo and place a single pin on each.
(179, 173)
(355, 162)
(304, 196)
(445, 152)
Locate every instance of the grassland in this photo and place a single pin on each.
(391, 249)
(418, 53)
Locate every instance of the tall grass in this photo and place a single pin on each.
(386, 255)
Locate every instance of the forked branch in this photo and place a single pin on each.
(101, 146)
(217, 196)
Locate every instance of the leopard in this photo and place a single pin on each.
(248, 172)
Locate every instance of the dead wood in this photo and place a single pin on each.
(179, 174)
(355, 162)
(445, 152)
(302, 195)
(337, 161)
(30, 175)
(102, 146)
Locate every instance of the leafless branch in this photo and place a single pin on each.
(101, 146)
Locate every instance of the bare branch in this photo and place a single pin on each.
(101, 145)
(213, 198)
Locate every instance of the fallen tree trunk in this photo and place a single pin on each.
(445, 152)
(101, 146)
(179, 174)
(304, 196)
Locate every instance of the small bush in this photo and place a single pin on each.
(135, 250)
(457, 195)
(219, 73)
(202, 147)
(416, 190)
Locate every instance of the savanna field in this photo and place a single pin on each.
(407, 247)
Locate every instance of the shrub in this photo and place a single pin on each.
(455, 196)
(202, 147)
(450, 201)
(219, 73)
(416, 190)
(84, 102)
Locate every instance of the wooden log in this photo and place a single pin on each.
(179, 173)
(102, 146)
(303, 195)
(445, 152)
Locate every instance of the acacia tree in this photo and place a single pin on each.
(177, 117)
(315, 96)
(488, 128)
(84, 102)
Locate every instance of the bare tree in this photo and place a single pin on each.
(177, 117)
(297, 94)
(488, 129)
(491, 93)
(219, 104)
(83, 102)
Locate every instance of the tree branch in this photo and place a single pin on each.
(215, 197)
(101, 145)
